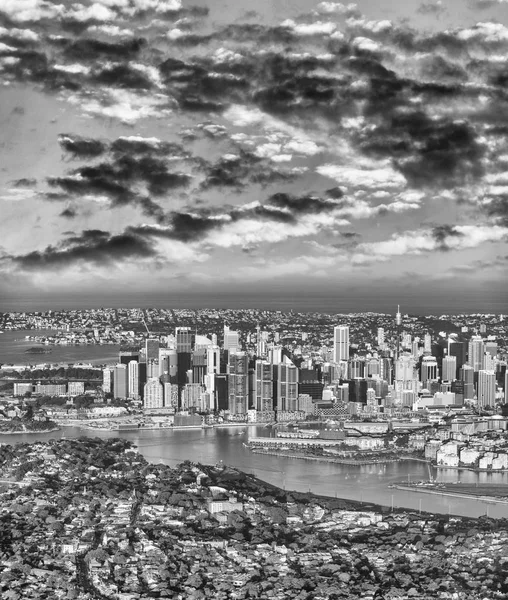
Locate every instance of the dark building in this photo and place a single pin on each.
(198, 366)
(184, 339)
(310, 383)
(221, 392)
(459, 350)
(151, 349)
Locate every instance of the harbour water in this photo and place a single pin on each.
(363, 482)
(13, 346)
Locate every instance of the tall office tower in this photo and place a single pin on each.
(380, 337)
(449, 368)
(183, 339)
(212, 360)
(386, 370)
(406, 340)
(154, 393)
(215, 341)
(491, 348)
(183, 349)
(415, 349)
(125, 356)
(152, 368)
(168, 365)
(263, 386)
(120, 381)
(340, 343)
(372, 367)
(459, 350)
(133, 379)
(198, 365)
(483, 328)
(489, 362)
(275, 354)
(427, 343)
(309, 383)
(486, 388)
(398, 327)
(107, 380)
(305, 404)
(467, 377)
(356, 369)
(151, 349)
(286, 386)
(429, 370)
(475, 352)
(231, 340)
(170, 395)
(405, 368)
(192, 396)
(238, 383)
(408, 398)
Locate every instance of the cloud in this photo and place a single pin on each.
(382, 177)
(431, 8)
(337, 8)
(79, 147)
(422, 241)
(486, 4)
(92, 246)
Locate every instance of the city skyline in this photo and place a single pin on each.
(317, 156)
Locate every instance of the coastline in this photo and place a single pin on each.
(473, 469)
(490, 499)
(339, 461)
(29, 432)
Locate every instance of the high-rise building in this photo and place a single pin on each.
(340, 343)
(183, 339)
(125, 356)
(486, 389)
(427, 343)
(167, 359)
(491, 348)
(467, 377)
(372, 367)
(238, 383)
(107, 380)
(212, 360)
(199, 360)
(154, 393)
(449, 368)
(475, 352)
(286, 386)
(170, 395)
(263, 386)
(151, 349)
(459, 350)
(120, 383)
(380, 337)
(133, 379)
(275, 354)
(429, 370)
(231, 340)
(356, 369)
(192, 395)
(152, 368)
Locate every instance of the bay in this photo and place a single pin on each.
(13, 346)
(361, 482)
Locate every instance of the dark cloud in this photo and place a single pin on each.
(91, 49)
(123, 76)
(80, 147)
(68, 213)
(429, 152)
(498, 208)
(300, 204)
(441, 233)
(24, 182)
(99, 180)
(91, 246)
(350, 235)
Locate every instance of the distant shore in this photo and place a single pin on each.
(454, 494)
(22, 432)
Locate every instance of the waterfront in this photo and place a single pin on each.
(363, 482)
(13, 348)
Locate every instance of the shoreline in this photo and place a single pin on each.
(339, 461)
(29, 432)
(473, 469)
(483, 498)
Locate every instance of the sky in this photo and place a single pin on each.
(299, 154)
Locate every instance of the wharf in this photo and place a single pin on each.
(452, 493)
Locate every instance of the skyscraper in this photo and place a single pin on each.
(286, 386)
(380, 337)
(427, 343)
(429, 370)
(486, 389)
(475, 352)
(340, 343)
(449, 368)
(263, 386)
(107, 380)
(133, 379)
(183, 339)
(231, 340)
(120, 381)
(154, 393)
(238, 383)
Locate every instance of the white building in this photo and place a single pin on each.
(154, 393)
(340, 343)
